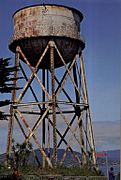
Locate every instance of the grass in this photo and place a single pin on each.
(60, 170)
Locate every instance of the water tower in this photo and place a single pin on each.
(52, 108)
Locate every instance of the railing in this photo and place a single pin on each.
(55, 177)
(59, 177)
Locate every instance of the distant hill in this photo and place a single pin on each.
(113, 154)
(70, 160)
(113, 160)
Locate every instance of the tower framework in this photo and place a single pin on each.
(52, 108)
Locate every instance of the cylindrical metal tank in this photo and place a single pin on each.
(35, 25)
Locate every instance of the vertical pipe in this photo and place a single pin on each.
(43, 122)
(48, 125)
(13, 99)
(53, 102)
(89, 124)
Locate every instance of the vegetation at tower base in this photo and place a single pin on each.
(20, 161)
(6, 82)
(20, 154)
(59, 170)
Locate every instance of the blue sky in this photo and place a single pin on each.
(101, 29)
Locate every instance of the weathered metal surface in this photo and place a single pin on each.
(34, 26)
(48, 20)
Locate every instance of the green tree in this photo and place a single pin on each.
(6, 82)
(20, 154)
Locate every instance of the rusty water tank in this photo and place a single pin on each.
(35, 26)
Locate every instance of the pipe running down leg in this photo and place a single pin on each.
(53, 102)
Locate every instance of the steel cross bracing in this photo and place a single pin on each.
(52, 112)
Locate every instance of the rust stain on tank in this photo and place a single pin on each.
(34, 26)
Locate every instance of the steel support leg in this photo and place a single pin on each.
(43, 122)
(77, 109)
(89, 123)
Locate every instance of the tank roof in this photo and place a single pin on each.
(70, 8)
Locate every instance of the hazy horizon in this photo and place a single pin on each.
(105, 138)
